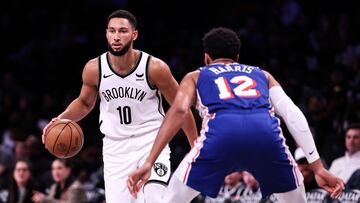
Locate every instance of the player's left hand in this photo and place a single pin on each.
(138, 178)
(329, 182)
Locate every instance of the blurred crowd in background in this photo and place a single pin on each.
(311, 48)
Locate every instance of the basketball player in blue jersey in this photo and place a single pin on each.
(130, 84)
(239, 131)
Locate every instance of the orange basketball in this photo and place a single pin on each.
(64, 138)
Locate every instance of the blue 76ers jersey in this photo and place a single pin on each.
(239, 132)
(232, 86)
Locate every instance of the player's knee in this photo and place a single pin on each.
(153, 192)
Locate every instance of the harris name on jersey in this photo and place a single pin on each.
(231, 68)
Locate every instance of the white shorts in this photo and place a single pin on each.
(123, 157)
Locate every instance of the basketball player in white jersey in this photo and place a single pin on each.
(129, 84)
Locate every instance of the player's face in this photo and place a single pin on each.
(120, 35)
(352, 140)
(59, 171)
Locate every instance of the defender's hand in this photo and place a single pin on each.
(138, 178)
(330, 183)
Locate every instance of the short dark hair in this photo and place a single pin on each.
(221, 42)
(302, 161)
(67, 163)
(353, 126)
(123, 14)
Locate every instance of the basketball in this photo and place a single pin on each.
(64, 138)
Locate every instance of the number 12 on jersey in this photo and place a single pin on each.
(244, 89)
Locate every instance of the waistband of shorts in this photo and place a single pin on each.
(246, 111)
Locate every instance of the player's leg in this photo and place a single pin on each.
(178, 192)
(153, 192)
(199, 171)
(117, 166)
(115, 191)
(277, 171)
(298, 195)
(160, 174)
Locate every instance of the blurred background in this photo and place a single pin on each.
(311, 48)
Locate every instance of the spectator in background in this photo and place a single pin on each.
(38, 154)
(236, 188)
(354, 181)
(5, 159)
(10, 149)
(250, 180)
(309, 178)
(230, 190)
(21, 150)
(65, 189)
(21, 184)
(346, 165)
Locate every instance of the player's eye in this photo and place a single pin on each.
(111, 31)
(123, 30)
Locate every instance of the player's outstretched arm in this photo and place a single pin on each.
(161, 77)
(294, 119)
(173, 121)
(297, 125)
(86, 100)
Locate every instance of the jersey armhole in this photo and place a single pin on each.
(147, 72)
(99, 72)
(266, 76)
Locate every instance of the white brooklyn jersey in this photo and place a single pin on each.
(129, 106)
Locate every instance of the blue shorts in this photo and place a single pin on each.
(238, 141)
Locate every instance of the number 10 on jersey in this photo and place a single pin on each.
(124, 114)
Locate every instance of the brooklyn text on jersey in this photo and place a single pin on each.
(123, 92)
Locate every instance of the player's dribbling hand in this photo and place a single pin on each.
(138, 178)
(46, 127)
(330, 183)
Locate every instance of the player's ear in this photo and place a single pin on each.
(207, 59)
(135, 34)
(237, 58)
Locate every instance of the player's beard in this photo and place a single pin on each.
(120, 52)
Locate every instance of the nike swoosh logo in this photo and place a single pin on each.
(139, 75)
(310, 153)
(106, 76)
